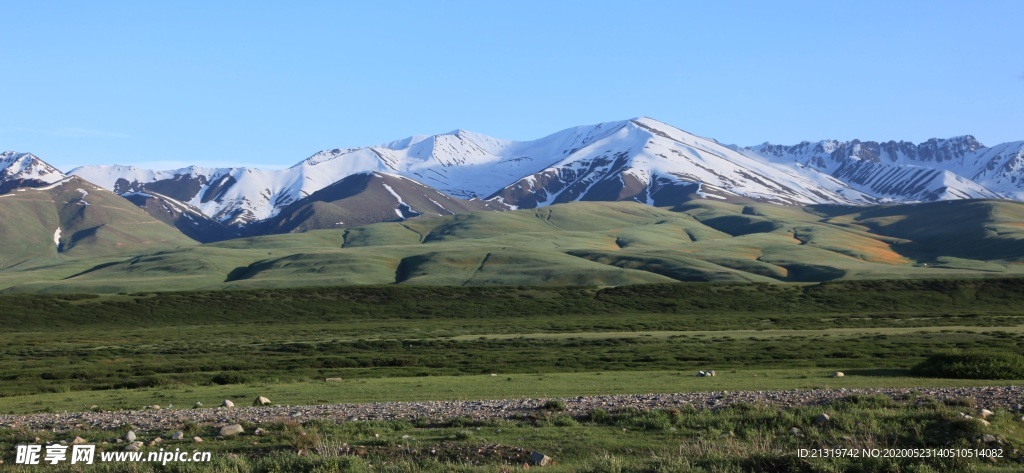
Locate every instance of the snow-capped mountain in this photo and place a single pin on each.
(640, 159)
(644, 159)
(651, 162)
(19, 170)
(365, 198)
(938, 169)
(186, 218)
(459, 163)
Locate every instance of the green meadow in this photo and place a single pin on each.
(413, 343)
(570, 300)
(167, 342)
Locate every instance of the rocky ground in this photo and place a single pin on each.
(1002, 397)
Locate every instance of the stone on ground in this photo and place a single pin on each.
(231, 430)
(540, 459)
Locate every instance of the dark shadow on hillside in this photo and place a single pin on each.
(94, 268)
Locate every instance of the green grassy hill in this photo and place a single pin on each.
(583, 243)
(92, 223)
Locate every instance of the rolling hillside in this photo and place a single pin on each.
(74, 220)
(584, 243)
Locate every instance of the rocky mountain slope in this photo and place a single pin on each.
(25, 170)
(938, 169)
(641, 160)
(365, 198)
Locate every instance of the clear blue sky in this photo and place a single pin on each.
(268, 84)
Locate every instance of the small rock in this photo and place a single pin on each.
(258, 432)
(130, 436)
(179, 435)
(989, 438)
(794, 431)
(838, 374)
(197, 405)
(333, 380)
(984, 422)
(231, 430)
(78, 441)
(711, 373)
(823, 419)
(155, 442)
(197, 439)
(261, 401)
(155, 407)
(227, 403)
(701, 374)
(984, 413)
(540, 459)
(133, 447)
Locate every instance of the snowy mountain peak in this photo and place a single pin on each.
(19, 170)
(640, 159)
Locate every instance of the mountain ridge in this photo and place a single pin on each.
(639, 159)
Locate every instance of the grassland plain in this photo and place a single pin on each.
(70, 352)
(79, 343)
(580, 243)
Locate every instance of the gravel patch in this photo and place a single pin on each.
(999, 397)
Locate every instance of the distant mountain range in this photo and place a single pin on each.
(641, 160)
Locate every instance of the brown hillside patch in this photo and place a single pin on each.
(875, 251)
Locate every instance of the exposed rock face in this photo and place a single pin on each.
(938, 169)
(186, 218)
(21, 170)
